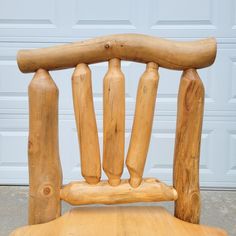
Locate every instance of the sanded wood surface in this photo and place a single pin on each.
(132, 47)
(45, 174)
(150, 190)
(187, 146)
(86, 124)
(113, 122)
(142, 125)
(122, 221)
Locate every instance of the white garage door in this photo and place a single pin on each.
(34, 24)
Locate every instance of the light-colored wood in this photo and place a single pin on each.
(86, 124)
(187, 146)
(122, 221)
(44, 164)
(150, 190)
(142, 125)
(45, 175)
(132, 47)
(113, 122)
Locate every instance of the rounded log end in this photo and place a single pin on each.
(80, 71)
(114, 62)
(41, 73)
(114, 182)
(23, 61)
(42, 81)
(63, 194)
(92, 180)
(41, 76)
(152, 66)
(135, 182)
(175, 194)
(213, 46)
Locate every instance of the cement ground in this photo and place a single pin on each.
(218, 209)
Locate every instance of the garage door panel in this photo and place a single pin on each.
(22, 18)
(184, 14)
(37, 21)
(28, 24)
(118, 15)
(13, 150)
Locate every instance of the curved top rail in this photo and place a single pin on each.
(132, 47)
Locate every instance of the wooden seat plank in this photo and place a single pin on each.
(102, 221)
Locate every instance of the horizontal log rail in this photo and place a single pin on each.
(132, 47)
(150, 190)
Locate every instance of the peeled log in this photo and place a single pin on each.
(45, 175)
(150, 190)
(86, 124)
(132, 47)
(113, 122)
(187, 146)
(142, 125)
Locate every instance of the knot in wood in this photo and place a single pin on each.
(47, 190)
(107, 45)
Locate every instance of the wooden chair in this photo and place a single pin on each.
(45, 175)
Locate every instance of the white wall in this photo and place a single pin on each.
(33, 24)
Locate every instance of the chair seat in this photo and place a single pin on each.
(104, 221)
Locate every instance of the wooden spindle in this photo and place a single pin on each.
(187, 146)
(45, 175)
(142, 125)
(86, 124)
(113, 122)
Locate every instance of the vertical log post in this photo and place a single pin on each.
(86, 124)
(45, 175)
(114, 122)
(187, 146)
(142, 125)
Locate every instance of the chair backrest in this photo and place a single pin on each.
(45, 175)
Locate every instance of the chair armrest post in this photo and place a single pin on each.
(187, 146)
(45, 174)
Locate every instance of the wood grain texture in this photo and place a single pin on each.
(86, 124)
(122, 221)
(132, 47)
(187, 146)
(142, 125)
(150, 190)
(45, 175)
(113, 122)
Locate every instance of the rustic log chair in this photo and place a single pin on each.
(45, 175)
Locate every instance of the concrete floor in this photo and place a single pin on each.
(218, 209)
